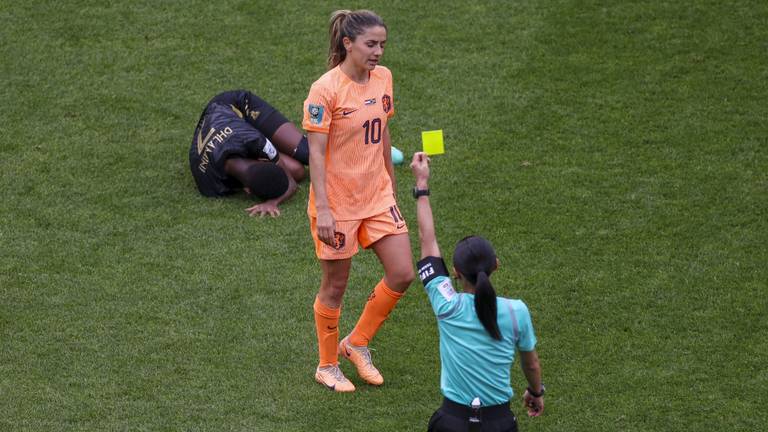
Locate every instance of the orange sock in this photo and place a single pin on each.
(380, 304)
(327, 326)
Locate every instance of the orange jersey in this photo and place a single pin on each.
(355, 117)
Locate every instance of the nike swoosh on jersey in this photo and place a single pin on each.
(346, 113)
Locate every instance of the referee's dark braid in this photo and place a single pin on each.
(475, 259)
(350, 24)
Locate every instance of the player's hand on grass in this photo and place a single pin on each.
(420, 168)
(264, 209)
(326, 227)
(535, 405)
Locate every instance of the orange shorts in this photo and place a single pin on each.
(353, 233)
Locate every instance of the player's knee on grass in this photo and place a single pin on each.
(266, 180)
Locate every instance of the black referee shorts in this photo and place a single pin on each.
(454, 417)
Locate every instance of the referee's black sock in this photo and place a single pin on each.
(301, 153)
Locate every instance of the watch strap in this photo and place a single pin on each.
(420, 192)
(534, 394)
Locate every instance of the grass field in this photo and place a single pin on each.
(614, 152)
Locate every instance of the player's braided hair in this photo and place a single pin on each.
(350, 24)
(475, 259)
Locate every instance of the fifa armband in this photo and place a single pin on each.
(431, 267)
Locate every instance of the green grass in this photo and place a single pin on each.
(614, 153)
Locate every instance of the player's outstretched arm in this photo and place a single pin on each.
(427, 238)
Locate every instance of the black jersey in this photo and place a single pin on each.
(222, 132)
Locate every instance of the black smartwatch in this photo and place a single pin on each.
(419, 192)
(534, 394)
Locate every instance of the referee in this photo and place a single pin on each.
(479, 332)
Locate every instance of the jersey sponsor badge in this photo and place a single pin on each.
(315, 114)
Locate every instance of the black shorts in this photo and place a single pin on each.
(254, 110)
(454, 417)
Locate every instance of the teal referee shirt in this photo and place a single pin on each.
(473, 364)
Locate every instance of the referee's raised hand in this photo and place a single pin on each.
(420, 167)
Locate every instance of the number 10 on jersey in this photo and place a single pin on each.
(372, 131)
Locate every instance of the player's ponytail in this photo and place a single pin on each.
(336, 51)
(475, 259)
(485, 305)
(351, 24)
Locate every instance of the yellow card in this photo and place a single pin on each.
(432, 142)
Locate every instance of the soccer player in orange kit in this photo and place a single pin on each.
(352, 192)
